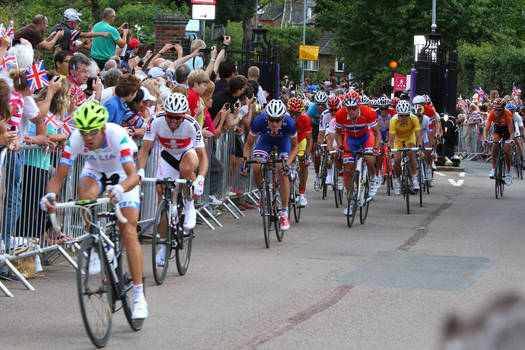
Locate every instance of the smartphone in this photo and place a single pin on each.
(12, 128)
(227, 105)
(90, 82)
(205, 51)
(237, 104)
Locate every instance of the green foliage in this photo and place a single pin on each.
(233, 10)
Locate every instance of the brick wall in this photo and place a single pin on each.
(169, 29)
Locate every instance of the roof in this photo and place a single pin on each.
(326, 44)
(274, 11)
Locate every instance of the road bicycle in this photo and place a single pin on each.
(517, 159)
(499, 170)
(103, 277)
(405, 173)
(169, 233)
(387, 170)
(424, 184)
(336, 185)
(270, 200)
(358, 196)
(323, 169)
(293, 202)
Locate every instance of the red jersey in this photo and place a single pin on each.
(504, 120)
(193, 101)
(430, 112)
(367, 119)
(303, 125)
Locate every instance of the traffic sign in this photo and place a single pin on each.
(308, 52)
(207, 2)
(206, 12)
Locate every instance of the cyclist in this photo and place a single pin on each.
(430, 111)
(276, 128)
(503, 130)
(183, 153)
(384, 114)
(365, 100)
(518, 126)
(427, 137)
(361, 131)
(108, 153)
(314, 112)
(304, 139)
(404, 131)
(327, 118)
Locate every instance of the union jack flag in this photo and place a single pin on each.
(74, 36)
(36, 76)
(9, 61)
(516, 91)
(53, 120)
(481, 93)
(69, 125)
(2, 30)
(10, 30)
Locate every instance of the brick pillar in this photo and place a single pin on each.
(169, 29)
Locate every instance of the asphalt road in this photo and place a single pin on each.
(388, 284)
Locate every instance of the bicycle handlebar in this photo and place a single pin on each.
(405, 149)
(166, 181)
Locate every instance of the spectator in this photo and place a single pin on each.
(104, 47)
(125, 91)
(253, 74)
(198, 83)
(110, 80)
(227, 71)
(71, 21)
(78, 75)
(196, 61)
(33, 33)
(181, 75)
(62, 62)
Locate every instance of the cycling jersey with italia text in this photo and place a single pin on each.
(260, 126)
(366, 120)
(187, 136)
(118, 149)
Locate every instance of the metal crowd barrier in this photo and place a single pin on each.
(470, 146)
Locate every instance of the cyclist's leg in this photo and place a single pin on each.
(368, 146)
(89, 187)
(303, 169)
(348, 162)
(187, 166)
(507, 149)
(261, 151)
(283, 150)
(495, 150)
(315, 152)
(412, 162)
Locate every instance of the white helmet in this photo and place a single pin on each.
(365, 100)
(403, 107)
(418, 99)
(320, 97)
(275, 109)
(176, 103)
(383, 101)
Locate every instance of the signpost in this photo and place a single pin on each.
(203, 10)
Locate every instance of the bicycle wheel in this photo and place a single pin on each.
(159, 245)
(405, 184)
(183, 249)
(420, 176)
(352, 199)
(337, 194)
(297, 208)
(94, 292)
(388, 175)
(125, 284)
(520, 167)
(323, 174)
(365, 187)
(266, 213)
(277, 218)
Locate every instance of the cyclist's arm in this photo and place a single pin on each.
(248, 145)
(55, 184)
(293, 150)
(330, 141)
(511, 132)
(377, 135)
(320, 137)
(485, 132)
(309, 143)
(143, 153)
(391, 139)
(131, 177)
(338, 137)
(419, 139)
(203, 160)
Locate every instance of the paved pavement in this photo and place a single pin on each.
(388, 284)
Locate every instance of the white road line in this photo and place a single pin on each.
(440, 174)
(462, 174)
(456, 184)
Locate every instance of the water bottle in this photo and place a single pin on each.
(111, 255)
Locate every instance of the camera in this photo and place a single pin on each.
(205, 51)
(125, 26)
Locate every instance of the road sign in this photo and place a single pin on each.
(308, 52)
(400, 82)
(206, 12)
(207, 2)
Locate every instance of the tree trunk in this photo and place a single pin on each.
(95, 10)
(247, 32)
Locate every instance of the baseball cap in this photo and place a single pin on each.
(156, 72)
(147, 95)
(71, 15)
(133, 43)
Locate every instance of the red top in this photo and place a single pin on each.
(303, 125)
(193, 101)
(367, 119)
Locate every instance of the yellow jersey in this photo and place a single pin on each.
(404, 131)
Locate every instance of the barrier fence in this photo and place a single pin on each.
(26, 233)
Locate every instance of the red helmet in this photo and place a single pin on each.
(395, 101)
(333, 103)
(295, 105)
(498, 103)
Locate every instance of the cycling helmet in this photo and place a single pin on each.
(365, 100)
(320, 97)
(511, 107)
(373, 103)
(383, 102)
(418, 110)
(419, 99)
(352, 99)
(403, 107)
(427, 99)
(176, 103)
(90, 116)
(395, 101)
(333, 103)
(499, 103)
(295, 105)
(275, 109)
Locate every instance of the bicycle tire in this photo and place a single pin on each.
(291, 200)
(406, 186)
(277, 217)
(94, 288)
(420, 174)
(297, 208)
(324, 172)
(159, 272)
(363, 210)
(183, 249)
(125, 284)
(335, 178)
(266, 214)
(352, 196)
(388, 175)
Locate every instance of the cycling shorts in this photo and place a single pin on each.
(502, 131)
(367, 142)
(169, 164)
(384, 134)
(398, 142)
(130, 199)
(301, 148)
(264, 146)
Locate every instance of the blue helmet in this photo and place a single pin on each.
(511, 107)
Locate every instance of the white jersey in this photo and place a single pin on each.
(425, 128)
(118, 149)
(324, 119)
(518, 123)
(187, 136)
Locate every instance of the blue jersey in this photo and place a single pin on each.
(314, 114)
(260, 126)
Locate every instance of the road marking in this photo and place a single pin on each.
(461, 174)
(456, 184)
(440, 174)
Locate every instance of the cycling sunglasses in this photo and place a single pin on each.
(275, 120)
(175, 116)
(89, 133)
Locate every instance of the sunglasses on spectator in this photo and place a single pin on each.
(175, 116)
(275, 120)
(89, 133)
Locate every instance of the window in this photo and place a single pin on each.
(339, 66)
(311, 65)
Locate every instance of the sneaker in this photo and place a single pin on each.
(302, 200)
(374, 186)
(397, 187)
(190, 215)
(140, 308)
(428, 173)
(508, 178)
(285, 222)
(415, 183)
(346, 209)
(492, 171)
(317, 181)
(161, 255)
(94, 263)
(214, 200)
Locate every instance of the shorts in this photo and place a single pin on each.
(315, 132)
(239, 147)
(169, 164)
(502, 131)
(398, 142)
(367, 142)
(264, 146)
(384, 134)
(130, 199)
(301, 147)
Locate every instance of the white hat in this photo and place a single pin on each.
(156, 72)
(147, 95)
(71, 15)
